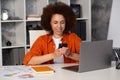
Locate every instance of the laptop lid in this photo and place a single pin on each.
(93, 56)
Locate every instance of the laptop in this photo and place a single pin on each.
(94, 55)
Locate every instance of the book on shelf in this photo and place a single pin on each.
(33, 17)
(80, 29)
(43, 69)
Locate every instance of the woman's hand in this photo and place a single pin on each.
(64, 50)
(57, 53)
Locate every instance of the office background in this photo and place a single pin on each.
(101, 13)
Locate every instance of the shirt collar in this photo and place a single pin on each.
(64, 38)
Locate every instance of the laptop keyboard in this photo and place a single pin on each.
(72, 68)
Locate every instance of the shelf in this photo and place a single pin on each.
(35, 6)
(82, 18)
(11, 21)
(15, 8)
(33, 20)
(8, 47)
(11, 32)
(13, 56)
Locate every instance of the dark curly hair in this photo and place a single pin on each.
(58, 8)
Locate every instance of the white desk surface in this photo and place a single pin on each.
(61, 74)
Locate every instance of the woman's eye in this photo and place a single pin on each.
(62, 22)
(55, 22)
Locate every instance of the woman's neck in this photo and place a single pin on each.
(57, 36)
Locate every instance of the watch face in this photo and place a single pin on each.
(4, 15)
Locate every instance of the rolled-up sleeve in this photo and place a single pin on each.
(36, 50)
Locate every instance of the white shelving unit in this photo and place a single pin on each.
(15, 28)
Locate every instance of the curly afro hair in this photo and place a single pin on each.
(58, 8)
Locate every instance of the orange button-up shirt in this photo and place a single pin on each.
(45, 45)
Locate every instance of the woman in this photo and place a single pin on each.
(58, 19)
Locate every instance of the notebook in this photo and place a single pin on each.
(94, 55)
(42, 69)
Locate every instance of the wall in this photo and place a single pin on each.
(114, 26)
(101, 10)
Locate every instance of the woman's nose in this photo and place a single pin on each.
(59, 25)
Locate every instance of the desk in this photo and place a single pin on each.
(61, 74)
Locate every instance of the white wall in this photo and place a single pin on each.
(114, 25)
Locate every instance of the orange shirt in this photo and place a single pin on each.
(45, 45)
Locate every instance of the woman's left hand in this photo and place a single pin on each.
(64, 50)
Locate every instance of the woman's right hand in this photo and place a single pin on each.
(57, 53)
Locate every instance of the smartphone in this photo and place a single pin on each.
(62, 45)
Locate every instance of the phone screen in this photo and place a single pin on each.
(62, 45)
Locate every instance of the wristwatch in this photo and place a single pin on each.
(69, 54)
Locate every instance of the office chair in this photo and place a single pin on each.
(34, 34)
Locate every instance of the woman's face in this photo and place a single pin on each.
(58, 25)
